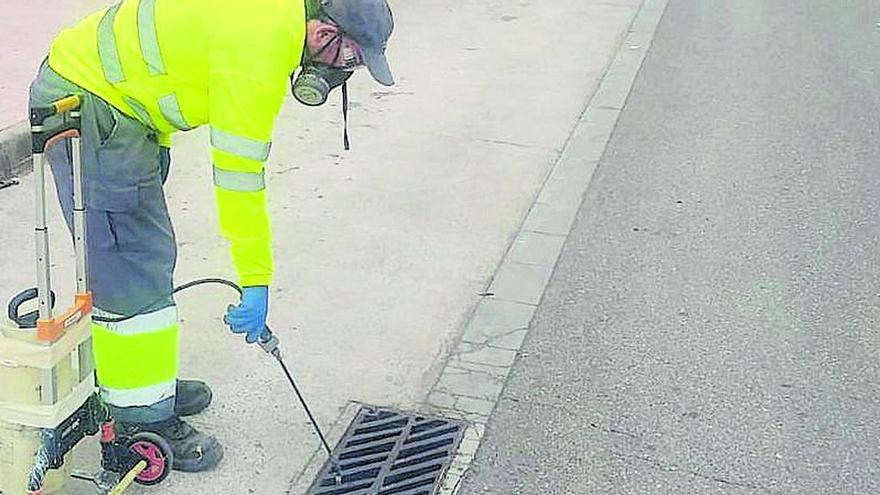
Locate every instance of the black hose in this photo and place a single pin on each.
(203, 281)
(188, 285)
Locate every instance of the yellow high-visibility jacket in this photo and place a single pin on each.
(179, 64)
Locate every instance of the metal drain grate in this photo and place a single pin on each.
(388, 452)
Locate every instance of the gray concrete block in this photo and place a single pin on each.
(628, 62)
(452, 481)
(471, 439)
(617, 83)
(512, 340)
(599, 121)
(520, 283)
(649, 16)
(499, 324)
(536, 248)
(471, 417)
(485, 355)
(477, 407)
(463, 383)
(577, 164)
(457, 362)
(553, 219)
(562, 193)
(15, 151)
(441, 400)
(615, 88)
(467, 450)
(638, 40)
(586, 145)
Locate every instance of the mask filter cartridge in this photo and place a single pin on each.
(314, 83)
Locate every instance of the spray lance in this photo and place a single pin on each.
(270, 344)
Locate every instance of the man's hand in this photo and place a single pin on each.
(249, 317)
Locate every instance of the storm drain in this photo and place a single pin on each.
(387, 452)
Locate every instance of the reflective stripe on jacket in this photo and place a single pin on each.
(176, 65)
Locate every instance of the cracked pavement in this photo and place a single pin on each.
(710, 326)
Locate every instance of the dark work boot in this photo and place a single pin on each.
(193, 451)
(192, 397)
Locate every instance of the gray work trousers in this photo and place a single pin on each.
(131, 244)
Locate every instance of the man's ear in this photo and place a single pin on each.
(322, 31)
(318, 34)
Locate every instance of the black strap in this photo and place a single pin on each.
(345, 142)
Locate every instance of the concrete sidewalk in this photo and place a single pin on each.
(26, 31)
(381, 252)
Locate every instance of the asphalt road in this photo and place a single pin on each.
(711, 326)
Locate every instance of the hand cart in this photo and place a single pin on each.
(48, 399)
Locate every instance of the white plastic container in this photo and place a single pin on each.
(45, 376)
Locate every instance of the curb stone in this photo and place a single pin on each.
(15, 151)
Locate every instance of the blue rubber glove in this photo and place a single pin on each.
(249, 317)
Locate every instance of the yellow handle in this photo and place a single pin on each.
(126, 480)
(66, 104)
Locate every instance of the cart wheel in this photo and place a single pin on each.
(158, 455)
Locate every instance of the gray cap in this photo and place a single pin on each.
(370, 23)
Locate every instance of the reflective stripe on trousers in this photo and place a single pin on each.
(137, 359)
(139, 397)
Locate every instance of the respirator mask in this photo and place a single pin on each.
(313, 84)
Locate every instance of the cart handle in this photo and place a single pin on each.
(57, 107)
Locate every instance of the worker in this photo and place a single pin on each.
(149, 68)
